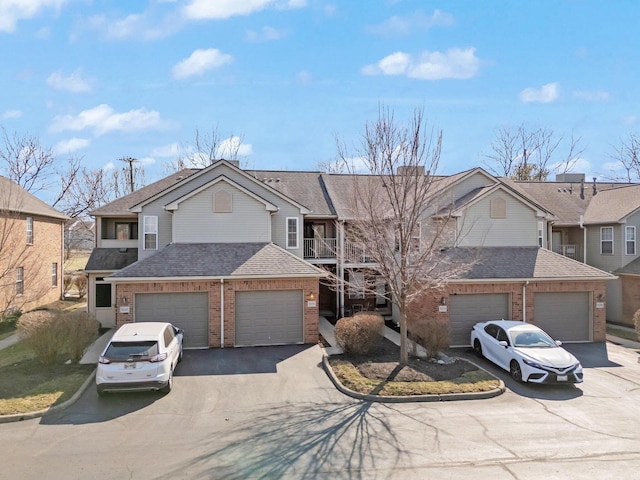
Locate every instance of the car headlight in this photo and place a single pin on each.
(533, 364)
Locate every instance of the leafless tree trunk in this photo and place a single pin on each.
(524, 154)
(628, 154)
(397, 214)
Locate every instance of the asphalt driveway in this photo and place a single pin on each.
(273, 413)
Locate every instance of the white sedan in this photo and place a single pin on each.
(527, 352)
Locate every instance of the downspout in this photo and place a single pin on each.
(584, 239)
(524, 301)
(341, 269)
(222, 313)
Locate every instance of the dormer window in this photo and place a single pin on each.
(498, 208)
(223, 202)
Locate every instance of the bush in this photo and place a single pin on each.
(430, 333)
(359, 334)
(43, 334)
(9, 319)
(56, 337)
(636, 322)
(67, 284)
(80, 331)
(81, 285)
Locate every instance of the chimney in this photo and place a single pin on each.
(411, 170)
(595, 191)
(582, 189)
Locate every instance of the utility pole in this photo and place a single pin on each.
(130, 161)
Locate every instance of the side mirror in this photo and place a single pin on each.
(502, 343)
(558, 342)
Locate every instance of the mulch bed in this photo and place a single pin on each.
(382, 364)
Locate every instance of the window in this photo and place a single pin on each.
(498, 208)
(356, 285)
(606, 240)
(150, 233)
(292, 232)
(630, 240)
(54, 274)
(19, 280)
(223, 202)
(540, 234)
(29, 230)
(126, 231)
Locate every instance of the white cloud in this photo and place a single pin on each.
(304, 77)
(75, 82)
(233, 145)
(199, 62)
(630, 120)
(266, 34)
(455, 63)
(405, 25)
(103, 119)
(167, 151)
(71, 145)
(147, 25)
(222, 9)
(7, 114)
(11, 11)
(592, 96)
(546, 94)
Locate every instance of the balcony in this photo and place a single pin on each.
(355, 253)
(320, 248)
(570, 251)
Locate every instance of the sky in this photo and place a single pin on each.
(106, 79)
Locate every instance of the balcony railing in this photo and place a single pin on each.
(319, 248)
(570, 251)
(354, 253)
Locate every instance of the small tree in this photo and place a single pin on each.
(399, 214)
(636, 322)
(628, 156)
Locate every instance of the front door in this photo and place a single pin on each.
(105, 308)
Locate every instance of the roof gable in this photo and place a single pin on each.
(14, 198)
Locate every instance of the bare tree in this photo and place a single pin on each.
(524, 154)
(397, 214)
(207, 148)
(628, 155)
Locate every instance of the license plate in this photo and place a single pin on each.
(562, 378)
(129, 365)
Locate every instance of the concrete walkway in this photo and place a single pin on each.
(10, 340)
(95, 350)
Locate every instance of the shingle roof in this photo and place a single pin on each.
(631, 268)
(613, 205)
(526, 263)
(219, 260)
(564, 199)
(122, 205)
(305, 188)
(111, 259)
(14, 198)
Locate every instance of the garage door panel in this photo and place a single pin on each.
(269, 317)
(188, 311)
(468, 309)
(566, 316)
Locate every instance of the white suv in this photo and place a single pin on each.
(140, 356)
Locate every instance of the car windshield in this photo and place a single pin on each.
(532, 339)
(123, 351)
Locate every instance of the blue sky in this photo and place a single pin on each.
(107, 79)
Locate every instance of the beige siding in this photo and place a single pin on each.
(477, 180)
(195, 221)
(519, 228)
(164, 228)
(608, 263)
(614, 300)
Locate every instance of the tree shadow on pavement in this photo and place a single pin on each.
(303, 441)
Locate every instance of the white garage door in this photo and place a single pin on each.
(269, 317)
(188, 311)
(564, 316)
(468, 309)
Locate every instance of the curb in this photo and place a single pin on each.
(18, 417)
(444, 397)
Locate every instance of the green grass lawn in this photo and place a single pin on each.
(622, 333)
(29, 386)
(77, 261)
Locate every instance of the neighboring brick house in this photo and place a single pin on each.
(31, 249)
(232, 255)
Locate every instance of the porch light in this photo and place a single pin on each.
(311, 296)
(123, 300)
(443, 301)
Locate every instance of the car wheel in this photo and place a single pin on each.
(167, 388)
(101, 393)
(477, 348)
(516, 371)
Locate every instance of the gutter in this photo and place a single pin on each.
(584, 239)
(222, 313)
(208, 278)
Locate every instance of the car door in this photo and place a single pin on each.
(502, 353)
(171, 344)
(489, 342)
